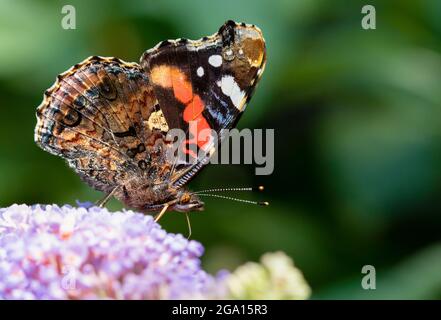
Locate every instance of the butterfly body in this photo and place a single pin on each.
(109, 119)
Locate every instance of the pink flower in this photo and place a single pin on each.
(52, 252)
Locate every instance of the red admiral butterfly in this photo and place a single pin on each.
(109, 119)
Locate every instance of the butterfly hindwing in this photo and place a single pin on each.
(93, 117)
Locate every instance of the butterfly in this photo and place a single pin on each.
(109, 119)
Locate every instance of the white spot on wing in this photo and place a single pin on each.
(226, 85)
(231, 89)
(200, 71)
(215, 60)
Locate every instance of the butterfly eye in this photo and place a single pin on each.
(185, 198)
(228, 54)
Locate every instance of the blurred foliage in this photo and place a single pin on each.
(357, 175)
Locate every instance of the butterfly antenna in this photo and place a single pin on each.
(260, 203)
(259, 188)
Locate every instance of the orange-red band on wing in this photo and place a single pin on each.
(173, 78)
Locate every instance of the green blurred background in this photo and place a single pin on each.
(356, 114)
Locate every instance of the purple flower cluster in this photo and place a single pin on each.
(52, 252)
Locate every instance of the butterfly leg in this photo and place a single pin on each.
(189, 225)
(101, 203)
(160, 214)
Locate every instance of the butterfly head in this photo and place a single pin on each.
(187, 201)
(243, 52)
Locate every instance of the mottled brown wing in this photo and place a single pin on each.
(96, 117)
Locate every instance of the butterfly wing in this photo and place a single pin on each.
(205, 84)
(95, 117)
